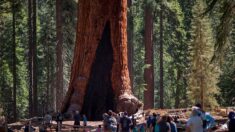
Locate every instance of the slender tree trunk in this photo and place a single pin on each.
(130, 32)
(52, 89)
(161, 91)
(59, 55)
(34, 48)
(201, 69)
(14, 59)
(100, 77)
(177, 94)
(32, 58)
(149, 71)
(48, 95)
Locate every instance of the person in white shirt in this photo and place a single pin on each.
(194, 123)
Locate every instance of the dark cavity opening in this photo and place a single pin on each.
(99, 96)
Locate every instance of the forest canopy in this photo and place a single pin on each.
(179, 53)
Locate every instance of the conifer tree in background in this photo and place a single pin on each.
(137, 11)
(203, 76)
(161, 88)
(59, 55)
(177, 48)
(14, 59)
(148, 71)
(32, 56)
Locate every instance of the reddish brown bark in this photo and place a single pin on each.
(94, 16)
(148, 72)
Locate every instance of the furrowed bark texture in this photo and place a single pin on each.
(101, 27)
(148, 72)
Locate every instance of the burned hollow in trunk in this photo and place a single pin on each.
(99, 97)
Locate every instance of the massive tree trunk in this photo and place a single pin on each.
(59, 51)
(14, 59)
(149, 71)
(100, 78)
(161, 90)
(130, 44)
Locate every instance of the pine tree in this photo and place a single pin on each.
(203, 75)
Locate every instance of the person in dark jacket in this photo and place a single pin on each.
(125, 123)
(76, 118)
(164, 126)
(59, 120)
(231, 122)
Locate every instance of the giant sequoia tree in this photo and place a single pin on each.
(100, 78)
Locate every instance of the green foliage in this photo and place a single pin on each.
(138, 61)
(203, 75)
(227, 78)
(46, 43)
(6, 59)
(188, 44)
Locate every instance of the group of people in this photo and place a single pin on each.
(157, 123)
(59, 119)
(113, 122)
(77, 118)
(201, 121)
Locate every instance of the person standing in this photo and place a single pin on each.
(76, 118)
(112, 122)
(164, 126)
(195, 123)
(231, 122)
(202, 114)
(59, 120)
(125, 123)
(105, 121)
(133, 123)
(47, 120)
(84, 120)
(149, 122)
(172, 124)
